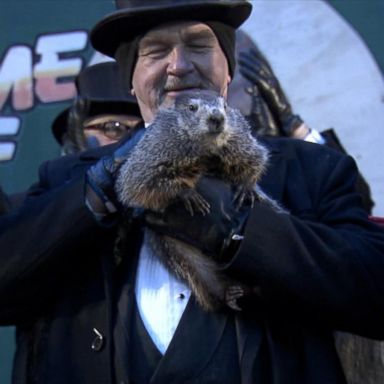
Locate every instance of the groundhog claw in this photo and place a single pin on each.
(194, 202)
(244, 194)
(233, 293)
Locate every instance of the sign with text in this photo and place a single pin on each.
(43, 46)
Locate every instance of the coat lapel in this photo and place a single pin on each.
(250, 334)
(197, 331)
(126, 277)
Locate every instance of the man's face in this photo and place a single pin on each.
(177, 58)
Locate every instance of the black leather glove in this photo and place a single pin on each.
(254, 67)
(100, 179)
(217, 233)
(260, 117)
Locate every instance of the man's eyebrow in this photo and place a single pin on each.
(148, 40)
(188, 36)
(202, 34)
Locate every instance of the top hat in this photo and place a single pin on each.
(101, 85)
(135, 17)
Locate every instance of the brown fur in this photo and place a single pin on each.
(176, 150)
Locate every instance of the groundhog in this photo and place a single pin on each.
(199, 135)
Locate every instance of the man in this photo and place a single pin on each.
(101, 114)
(85, 315)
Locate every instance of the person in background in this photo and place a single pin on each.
(101, 114)
(257, 92)
(87, 316)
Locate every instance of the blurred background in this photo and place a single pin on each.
(328, 56)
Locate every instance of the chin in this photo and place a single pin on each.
(174, 94)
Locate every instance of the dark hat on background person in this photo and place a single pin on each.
(59, 125)
(101, 86)
(134, 18)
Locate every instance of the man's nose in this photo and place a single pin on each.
(179, 62)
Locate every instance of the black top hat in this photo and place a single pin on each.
(135, 17)
(59, 125)
(100, 84)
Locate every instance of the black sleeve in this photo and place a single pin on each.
(329, 264)
(44, 243)
(332, 141)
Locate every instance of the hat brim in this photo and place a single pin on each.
(112, 107)
(126, 24)
(59, 126)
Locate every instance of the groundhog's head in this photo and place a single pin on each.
(203, 118)
(203, 111)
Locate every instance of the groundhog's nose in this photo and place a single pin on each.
(216, 122)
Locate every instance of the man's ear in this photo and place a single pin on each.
(132, 92)
(229, 79)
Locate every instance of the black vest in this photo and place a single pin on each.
(203, 349)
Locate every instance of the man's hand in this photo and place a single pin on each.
(100, 179)
(216, 233)
(260, 115)
(255, 68)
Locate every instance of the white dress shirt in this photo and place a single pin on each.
(161, 298)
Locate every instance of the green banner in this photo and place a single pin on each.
(43, 46)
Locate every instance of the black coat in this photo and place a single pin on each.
(4, 202)
(319, 268)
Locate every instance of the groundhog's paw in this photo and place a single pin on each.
(244, 195)
(233, 293)
(194, 202)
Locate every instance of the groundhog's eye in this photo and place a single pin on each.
(193, 107)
